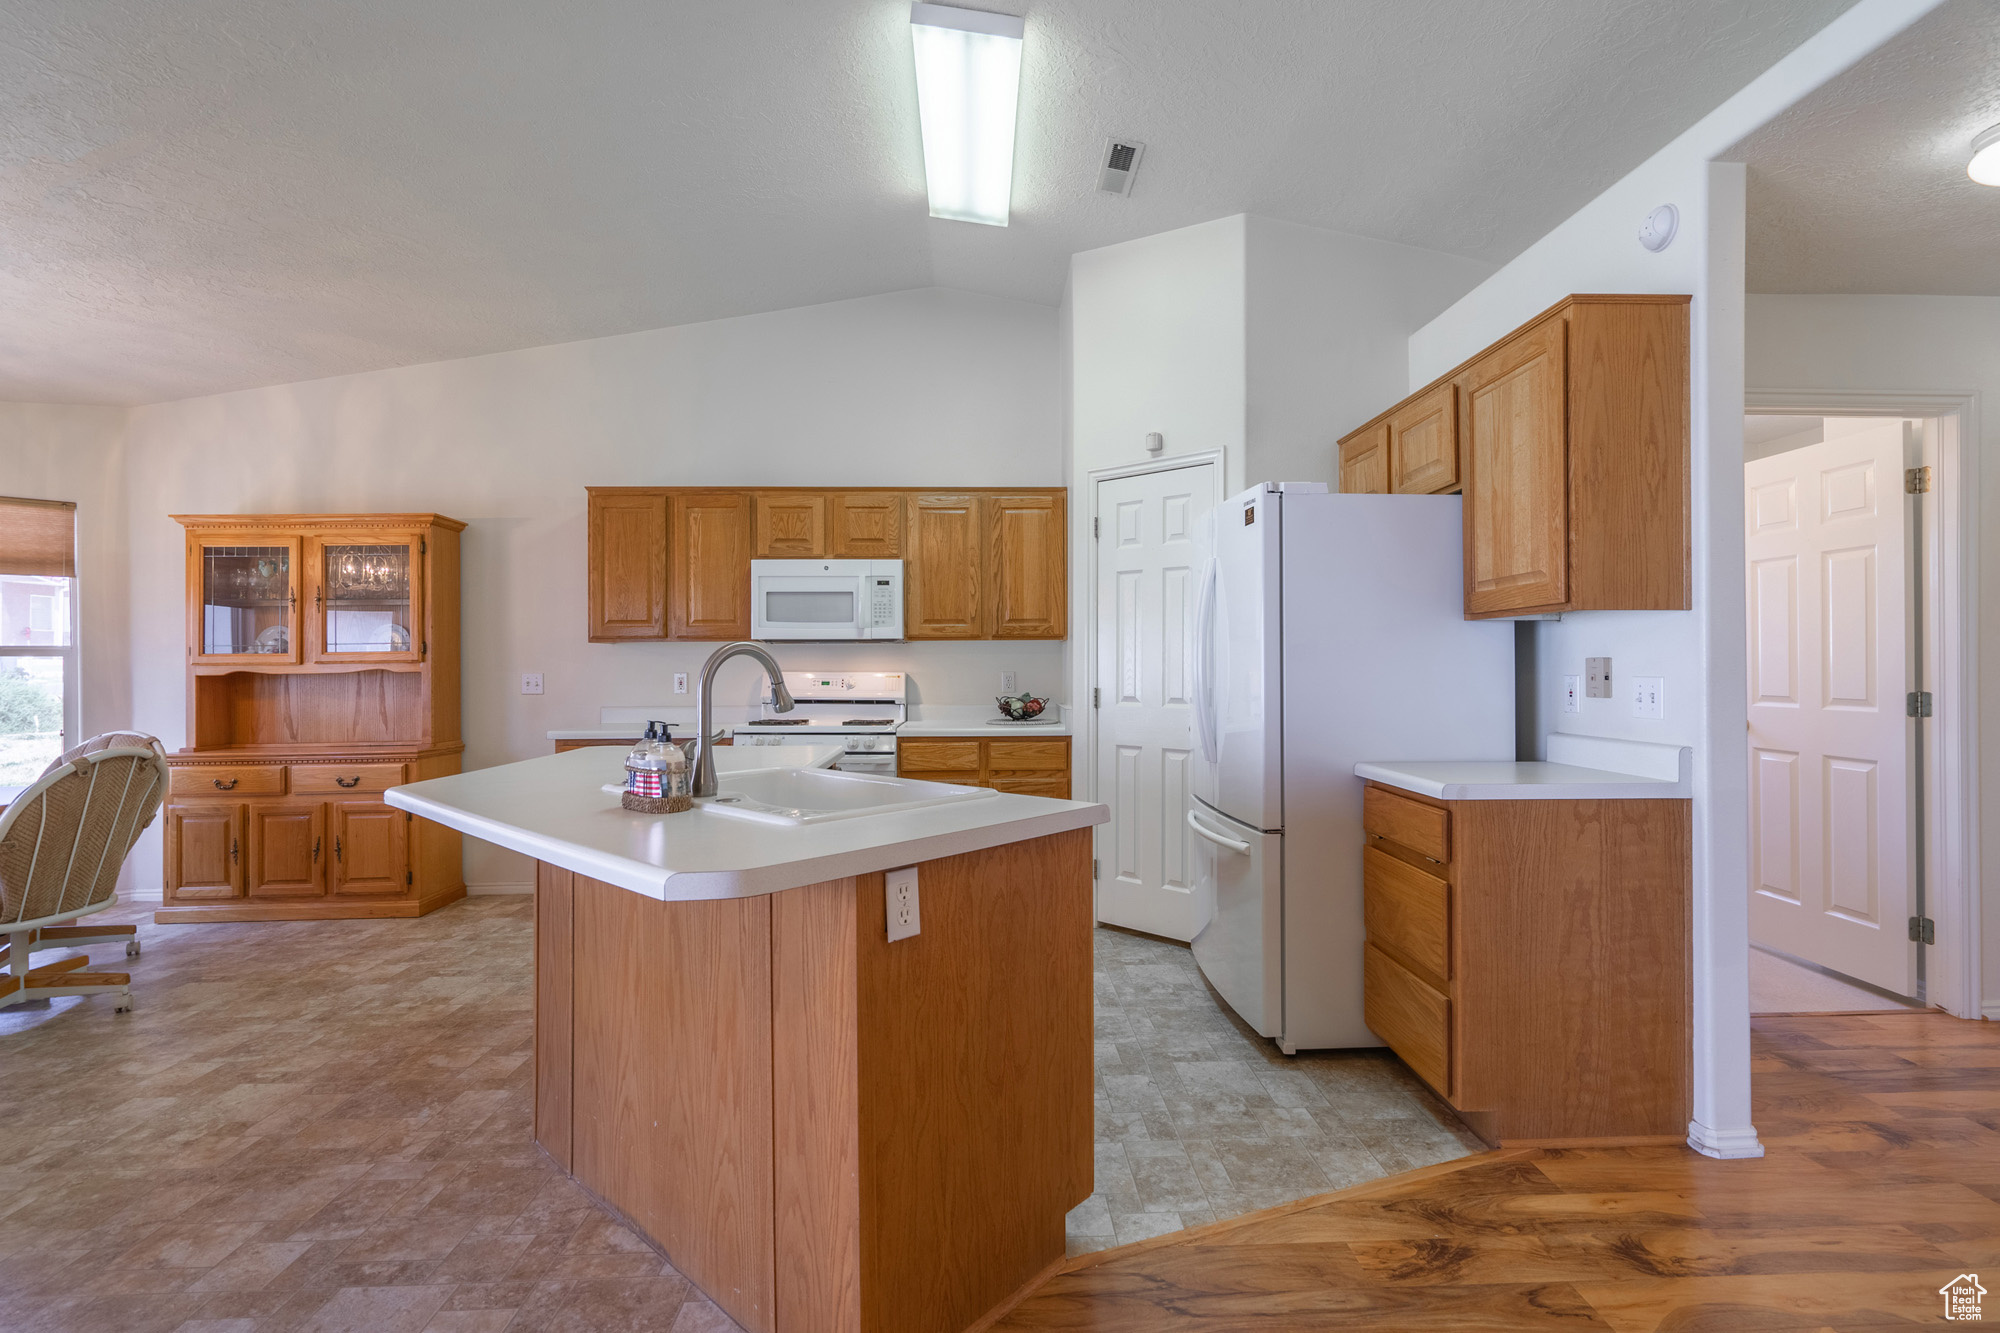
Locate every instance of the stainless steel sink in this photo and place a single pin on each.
(818, 795)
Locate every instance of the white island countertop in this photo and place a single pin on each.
(1579, 768)
(555, 809)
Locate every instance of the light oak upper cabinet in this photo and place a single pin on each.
(628, 563)
(1027, 571)
(790, 525)
(1516, 520)
(866, 525)
(1364, 461)
(708, 565)
(942, 582)
(1423, 443)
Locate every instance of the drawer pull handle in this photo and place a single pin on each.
(315, 851)
(220, 785)
(1214, 837)
(354, 781)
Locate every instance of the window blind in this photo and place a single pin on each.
(38, 537)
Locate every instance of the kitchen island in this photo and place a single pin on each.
(824, 1130)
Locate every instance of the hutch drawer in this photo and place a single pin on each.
(332, 779)
(238, 780)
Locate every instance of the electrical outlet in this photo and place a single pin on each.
(1597, 674)
(1649, 696)
(900, 888)
(1572, 694)
(1007, 683)
(680, 682)
(531, 682)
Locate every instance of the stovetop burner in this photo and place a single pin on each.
(867, 721)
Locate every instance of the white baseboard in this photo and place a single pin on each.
(1727, 1144)
(1990, 1012)
(151, 896)
(498, 887)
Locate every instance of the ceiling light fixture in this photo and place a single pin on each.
(968, 90)
(1985, 164)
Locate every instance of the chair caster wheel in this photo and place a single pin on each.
(131, 948)
(124, 1006)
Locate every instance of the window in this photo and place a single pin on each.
(39, 697)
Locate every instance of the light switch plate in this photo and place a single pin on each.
(1572, 694)
(1597, 677)
(899, 887)
(531, 682)
(1649, 696)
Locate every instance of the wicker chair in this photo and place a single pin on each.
(62, 844)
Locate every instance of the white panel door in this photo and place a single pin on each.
(1830, 866)
(1146, 570)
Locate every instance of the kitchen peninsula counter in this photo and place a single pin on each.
(824, 1130)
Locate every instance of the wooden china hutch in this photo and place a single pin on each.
(323, 664)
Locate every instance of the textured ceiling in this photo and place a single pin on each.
(209, 194)
(1861, 187)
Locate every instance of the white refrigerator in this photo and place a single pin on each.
(1329, 630)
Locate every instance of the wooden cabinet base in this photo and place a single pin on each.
(824, 1131)
(318, 909)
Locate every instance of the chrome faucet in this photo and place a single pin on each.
(781, 699)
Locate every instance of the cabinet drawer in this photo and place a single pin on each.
(332, 779)
(1031, 756)
(938, 756)
(244, 780)
(1413, 1018)
(1057, 787)
(958, 779)
(1408, 914)
(1424, 829)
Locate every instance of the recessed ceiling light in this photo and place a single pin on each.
(1985, 164)
(968, 90)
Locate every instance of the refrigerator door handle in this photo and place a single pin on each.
(1204, 637)
(1205, 831)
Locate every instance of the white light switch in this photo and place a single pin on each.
(900, 889)
(531, 682)
(1572, 694)
(1597, 677)
(1649, 696)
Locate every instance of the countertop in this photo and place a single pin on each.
(1579, 768)
(555, 809)
(925, 720)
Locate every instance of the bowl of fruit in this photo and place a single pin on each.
(1021, 708)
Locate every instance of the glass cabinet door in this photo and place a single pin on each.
(248, 596)
(369, 598)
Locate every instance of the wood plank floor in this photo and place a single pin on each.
(1880, 1183)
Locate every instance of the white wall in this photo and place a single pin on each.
(1919, 345)
(1699, 652)
(927, 387)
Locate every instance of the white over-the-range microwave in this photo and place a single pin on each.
(826, 599)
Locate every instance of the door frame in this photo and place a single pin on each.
(1950, 771)
(1097, 476)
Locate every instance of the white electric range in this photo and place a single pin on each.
(862, 708)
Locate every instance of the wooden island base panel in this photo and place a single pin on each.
(824, 1131)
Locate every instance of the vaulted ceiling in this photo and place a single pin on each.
(210, 194)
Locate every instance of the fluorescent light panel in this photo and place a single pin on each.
(968, 91)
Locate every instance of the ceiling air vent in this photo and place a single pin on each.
(1121, 164)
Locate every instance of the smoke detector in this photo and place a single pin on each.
(1119, 165)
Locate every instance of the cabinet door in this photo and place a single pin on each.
(1027, 566)
(710, 566)
(287, 851)
(628, 565)
(1516, 482)
(790, 525)
(866, 526)
(367, 597)
(244, 598)
(942, 586)
(204, 852)
(1364, 462)
(1423, 444)
(370, 849)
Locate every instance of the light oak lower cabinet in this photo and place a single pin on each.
(370, 849)
(1529, 960)
(1037, 767)
(286, 840)
(204, 851)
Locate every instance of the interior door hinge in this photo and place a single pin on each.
(1923, 930)
(1918, 704)
(1916, 480)
(1093, 868)
(1097, 527)
(1093, 696)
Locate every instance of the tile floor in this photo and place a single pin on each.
(325, 1126)
(1199, 1119)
